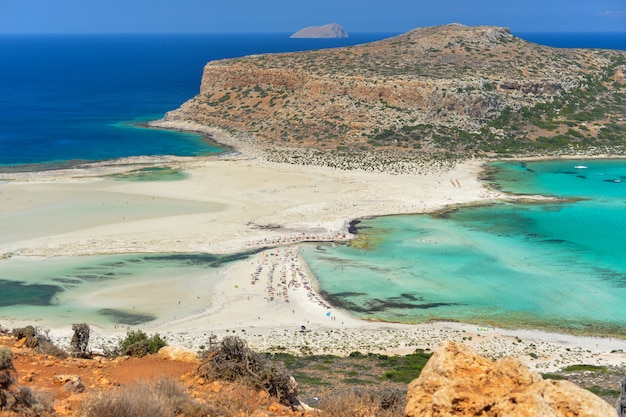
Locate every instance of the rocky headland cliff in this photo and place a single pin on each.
(450, 89)
(330, 31)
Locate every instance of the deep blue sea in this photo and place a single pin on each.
(556, 266)
(80, 97)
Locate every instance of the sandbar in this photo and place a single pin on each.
(240, 202)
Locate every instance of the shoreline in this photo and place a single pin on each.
(275, 325)
(232, 203)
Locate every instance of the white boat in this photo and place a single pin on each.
(580, 166)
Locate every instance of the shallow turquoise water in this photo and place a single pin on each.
(557, 266)
(71, 289)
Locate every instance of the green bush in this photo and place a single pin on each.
(584, 367)
(603, 392)
(6, 358)
(555, 377)
(24, 332)
(137, 343)
(404, 368)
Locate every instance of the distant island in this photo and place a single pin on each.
(330, 31)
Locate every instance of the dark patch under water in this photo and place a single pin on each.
(349, 294)
(93, 277)
(151, 174)
(557, 241)
(411, 297)
(124, 317)
(199, 259)
(376, 305)
(66, 280)
(353, 227)
(17, 293)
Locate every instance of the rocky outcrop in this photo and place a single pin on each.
(450, 88)
(458, 382)
(332, 30)
(178, 353)
(70, 383)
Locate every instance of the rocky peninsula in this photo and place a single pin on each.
(446, 90)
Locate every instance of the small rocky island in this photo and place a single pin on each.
(330, 31)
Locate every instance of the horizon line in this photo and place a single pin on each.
(286, 32)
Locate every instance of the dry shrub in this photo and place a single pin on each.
(7, 370)
(7, 376)
(163, 397)
(235, 399)
(38, 340)
(232, 360)
(33, 403)
(46, 347)
(24, 332)
(19, 399)
(382, 401)
(80, 340)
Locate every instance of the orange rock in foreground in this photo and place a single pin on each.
(458, 382)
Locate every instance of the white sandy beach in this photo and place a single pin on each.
(238, 202)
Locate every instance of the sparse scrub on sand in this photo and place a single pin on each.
(163, 397)
(380, 402)
(232, 360)
(166, 397)
(404, 368)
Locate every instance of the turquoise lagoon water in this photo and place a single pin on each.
(59, 291)
(556, 266)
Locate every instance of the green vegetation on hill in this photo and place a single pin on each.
(450, 90)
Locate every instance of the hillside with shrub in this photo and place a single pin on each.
(229, 379)
(448, 90)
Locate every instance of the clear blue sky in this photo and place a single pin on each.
(167, 16)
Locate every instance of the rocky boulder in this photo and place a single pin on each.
(70, 383)
(178, 353)
(458, 382)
